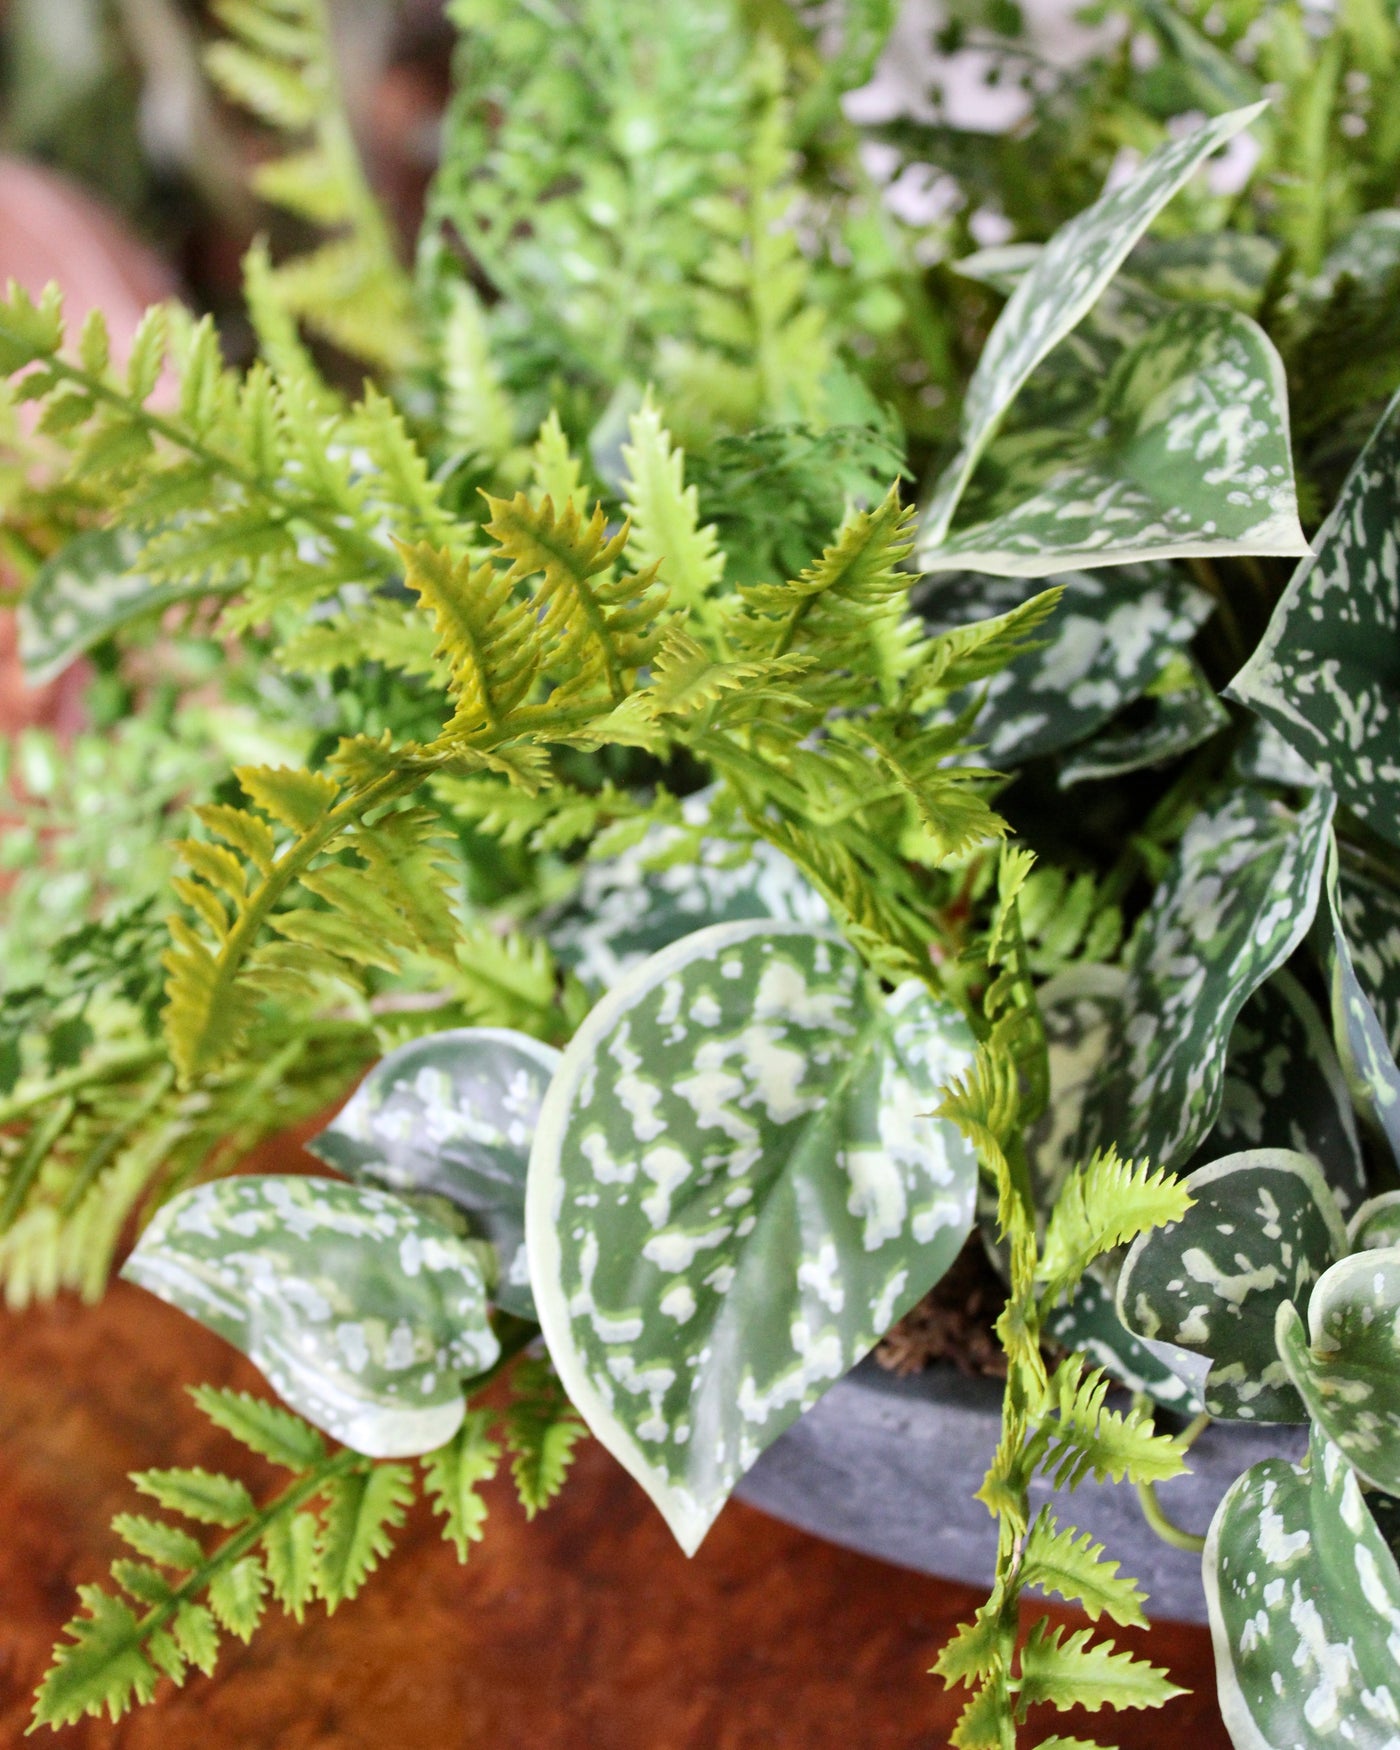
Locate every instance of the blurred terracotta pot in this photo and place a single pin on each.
(51, 230)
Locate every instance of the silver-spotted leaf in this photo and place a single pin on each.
(1237, 900)
(85, 592)
(1365, 1043)
(1061, 287)
(1090, 1324)
(362, 1312)
(736, 1188)
(1261, 1229)
(1326, 673)
(1375, 1227)
(1345, 1365)
(1105, 644)
(1182, 712)
(1183, 452)
(453, 1114)
(1284, 1088)
(1304, 1601)
(675, 880)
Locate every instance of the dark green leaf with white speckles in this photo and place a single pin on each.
(1105, 644)
(1304, 1600)
(1345, 1364)
(1207, 267)
(1237, 900)
(1184, 712)
(83, 594)
(1375, 1227)
(453, 1114)
(736, 1188)
(1261, 1229)
(361, 1311)
(1090, 1324)
(1184, 451)
(1284, 1088)
(1366, 1051)
(673, 881)
(1064, 284)
(1327, 672)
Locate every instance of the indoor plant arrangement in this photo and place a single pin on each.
(723, 920)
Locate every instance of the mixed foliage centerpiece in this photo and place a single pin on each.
(723, 871)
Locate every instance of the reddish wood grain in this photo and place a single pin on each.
(587, 1630)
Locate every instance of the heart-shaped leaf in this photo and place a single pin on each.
(1105, 644)
(1236, 902)
(453, 1114)
(1284, 1088)
(1364, 1042)
(736, 1187)
(1346, 1364)
(1184, 452)
(1261, 1229)
(1184, 713)
(1064, 284)
(1326, 673)
(1304, 1601)
(363, 1312)
(673, 881)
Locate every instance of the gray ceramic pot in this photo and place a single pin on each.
(890, 1466)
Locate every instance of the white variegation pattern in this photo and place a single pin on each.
(736, 1187)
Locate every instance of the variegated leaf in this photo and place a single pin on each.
(453, 1114)
(1184, 713)
(1107, 641)
(1376, 1225)
(1324, 673)
(1261, 1229)
(1364, 1044)
(1063, 285)
(85, 592)
(736, 1187)
(363, 1312)
(673, 881)
(1207, 267)
(1079, 1008)
(1239, 897)
(1304, 1601)
(1090, 1324)
(1284, 1088)
(1184, 451)
(1345, 1365)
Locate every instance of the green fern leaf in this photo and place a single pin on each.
(198, 1494)
(452, 1475)
(1086, 1438)
(141, 1582)
(29, 331)
(102, 1667)
(197, 1635)
(665, 516)
(236, 1596)
(542, 1428)
(985, 1723)
(973, 1649)
(163, 1543)
(362, 1510)
(1079, 1672)
(489, 640)
(298, 799)
(476, 413)
(554, 470)
(1101, 1206)
(289, 1550)
(1072, 1564)
(262, 1427)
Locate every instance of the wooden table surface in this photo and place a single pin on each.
(586, 1630)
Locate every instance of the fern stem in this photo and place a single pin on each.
(305, 1487)
(1167, 1529)
(36, 1152)
(106, 1069)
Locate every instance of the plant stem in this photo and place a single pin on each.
(1166, 1529)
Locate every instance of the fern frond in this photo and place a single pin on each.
(1072, 1564)
(975, 652)
(665, 516)
(1082, 1672)
(477, 415)
(490, 640)
(363, 1508)
(1100, 1206)
(974, 1648)
(541, 1429)
(1087, 1438)
(453, 1474)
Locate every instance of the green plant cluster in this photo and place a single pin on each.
(759, 740)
